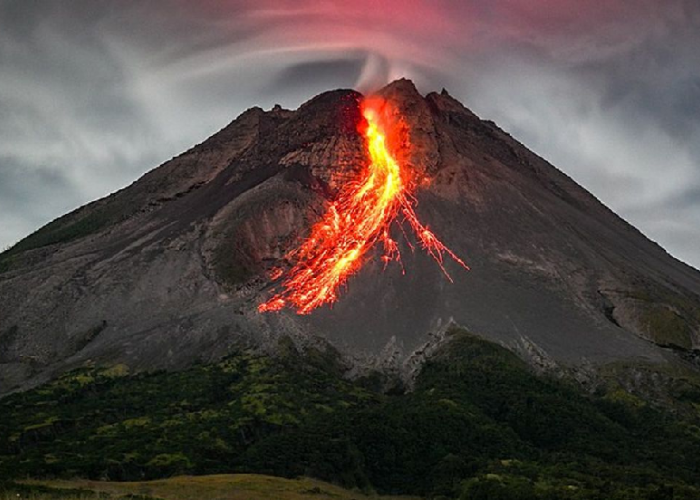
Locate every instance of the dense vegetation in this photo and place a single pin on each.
(478, 424)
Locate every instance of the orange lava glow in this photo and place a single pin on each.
(360, 217)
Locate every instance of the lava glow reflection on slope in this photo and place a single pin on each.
(361, 216)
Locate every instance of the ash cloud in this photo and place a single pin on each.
(94, 93)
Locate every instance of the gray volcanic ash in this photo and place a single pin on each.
(172, 269)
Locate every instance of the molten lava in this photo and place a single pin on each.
(361, 216)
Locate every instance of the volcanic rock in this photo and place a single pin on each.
(171, 269)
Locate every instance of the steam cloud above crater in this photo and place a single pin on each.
(95, 93)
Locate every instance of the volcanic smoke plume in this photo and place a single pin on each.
(361, 216)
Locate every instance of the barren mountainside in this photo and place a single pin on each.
(171, 269)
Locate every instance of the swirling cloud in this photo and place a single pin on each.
(95, 92)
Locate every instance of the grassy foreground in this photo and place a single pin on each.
(478, 424)
(222, 486)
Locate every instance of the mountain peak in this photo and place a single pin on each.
(401, 86)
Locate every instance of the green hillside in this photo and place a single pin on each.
(478, 424)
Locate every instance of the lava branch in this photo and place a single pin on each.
(360, 217)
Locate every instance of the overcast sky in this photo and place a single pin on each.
(94, 93)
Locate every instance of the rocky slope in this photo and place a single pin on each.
(170, 269)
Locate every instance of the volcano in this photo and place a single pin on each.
(173, 269)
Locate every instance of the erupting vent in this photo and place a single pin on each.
(361, 216)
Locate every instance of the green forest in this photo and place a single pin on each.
(477, 423)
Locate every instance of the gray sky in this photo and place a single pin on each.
(94, 93)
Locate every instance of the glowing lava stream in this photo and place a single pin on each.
(361, 216)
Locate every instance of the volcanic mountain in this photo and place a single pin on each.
(173, 269)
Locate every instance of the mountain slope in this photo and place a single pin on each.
(170, 269)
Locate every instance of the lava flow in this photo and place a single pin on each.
(361, 216)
